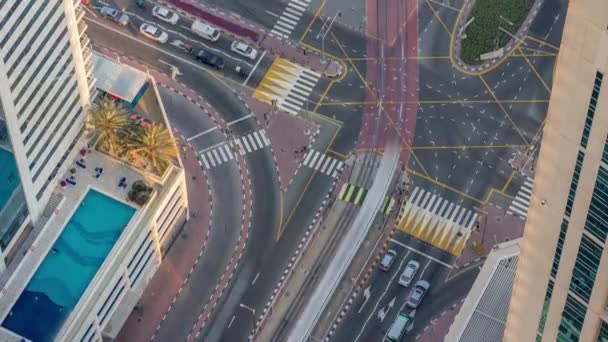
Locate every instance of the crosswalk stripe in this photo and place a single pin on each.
(228, 152)
(280, 28)
(296, 6)
(217, 156)
(210, 155)
(224, 159)
(254, 146)
(314, 159)
(204, 160)
(293, 11)
(290, 16)
(246, 143)
(300, 3)
(284, 21)
(333, 163)
(279, 34)
(307, 158)
(257, 139)
(264, 138)
(318, 166)
(327, 161)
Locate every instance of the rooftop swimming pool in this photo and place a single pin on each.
(69, 267)
(9, 177)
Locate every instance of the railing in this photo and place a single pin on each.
(79, 12)
(82, 27)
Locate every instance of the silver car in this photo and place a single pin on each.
(408, 273)
(243, 49)
(154, 33)
(114, 15)
(388, 260)
(417, 293)
(165, 15)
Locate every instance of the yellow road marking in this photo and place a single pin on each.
(439, 18)
(503, 109)
(464, 147)
(398, 58)
(537, 74)
(323, 96)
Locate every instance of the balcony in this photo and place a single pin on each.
(79, 13)
(82, 27)
(84, 41)
(86, 55)
(88, 67)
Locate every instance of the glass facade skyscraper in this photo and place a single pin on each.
(560, 292)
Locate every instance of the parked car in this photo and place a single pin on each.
(114, 15)
(388, 260)
(210, 58)
(408, 273)
(243, 49)
(417, 293)
(165, 15)
(154, 33)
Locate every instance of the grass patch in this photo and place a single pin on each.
(484, 35)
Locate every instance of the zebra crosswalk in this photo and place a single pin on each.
(222, 153)
(288, 83)
(289, 19)
(521, 202)
(323, 163)
(433, 219)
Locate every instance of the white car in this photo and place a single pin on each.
(165, 15)
(154, 33)
(243, 49)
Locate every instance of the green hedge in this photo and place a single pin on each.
(483, 31)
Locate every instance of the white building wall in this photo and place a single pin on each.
(44, 90)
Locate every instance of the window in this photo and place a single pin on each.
(558, 249)
(574, 183)
(585, 268)
(603, 333)
(591, 109)
(572, 320)
(597, 216)
(543, 315)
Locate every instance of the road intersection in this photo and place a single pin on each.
(459, 130)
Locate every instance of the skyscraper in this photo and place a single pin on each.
(561, 286)
(45, 86)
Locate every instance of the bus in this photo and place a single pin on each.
(401, 325)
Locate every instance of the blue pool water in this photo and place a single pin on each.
(69, 267)
(9, 178)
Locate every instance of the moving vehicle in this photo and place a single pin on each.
(401, 325)
(154, 33)
(114, 15)
(388, 260)
(165, 15)
(408, 273)
(210, 58)
(243, 49)
(417, 293)
(205, 31)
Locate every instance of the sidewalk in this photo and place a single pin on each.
(439, 325)
(240, 28)
(495, 227)
(183, 256)
(290, 137)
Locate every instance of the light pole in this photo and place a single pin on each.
(324, 31)
(252, 310)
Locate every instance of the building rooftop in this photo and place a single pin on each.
(484, 311)
(118, 79)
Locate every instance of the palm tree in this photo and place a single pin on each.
(151, 145)
(107, 121)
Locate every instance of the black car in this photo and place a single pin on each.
(211, 59)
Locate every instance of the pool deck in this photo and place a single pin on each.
(13, 281)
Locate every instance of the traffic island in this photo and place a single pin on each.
(488, 30)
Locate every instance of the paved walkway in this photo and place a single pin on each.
(290, 137)
(440, 325)
(181, 258)
(240, 28)
(495, 227)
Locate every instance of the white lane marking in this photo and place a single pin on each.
(239, 119)
(256, 278)
(202, 133)
(272, 14)
(211, 147)
(232, 320)
(421, 253)
(254, 67)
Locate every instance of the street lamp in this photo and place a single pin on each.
(324, 31)
(252, 310)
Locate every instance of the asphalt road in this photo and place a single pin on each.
(369, 321)
(107, 33)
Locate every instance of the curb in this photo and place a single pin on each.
(295, 259)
